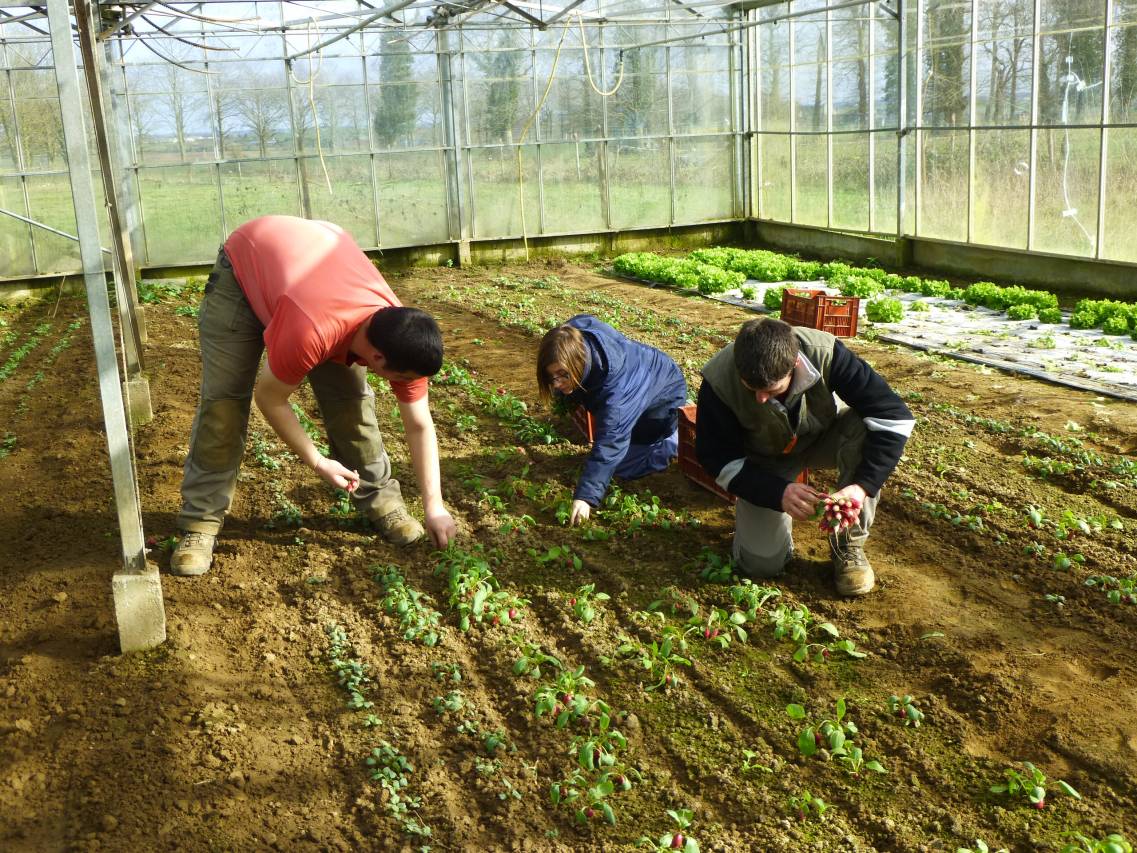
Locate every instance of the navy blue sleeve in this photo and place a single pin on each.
(888, 421)
(719, 449)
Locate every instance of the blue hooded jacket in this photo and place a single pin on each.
(633, 392)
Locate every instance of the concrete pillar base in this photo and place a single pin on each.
(138, 610)
(136, 392)
(464, 256)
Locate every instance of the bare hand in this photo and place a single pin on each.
(799, 501)
(337, 475)
(580, 512)
(856, 493)
(441, 527)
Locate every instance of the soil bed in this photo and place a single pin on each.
(237, 733)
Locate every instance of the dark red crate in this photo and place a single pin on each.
(817, 310)
(583, 420)
(688, 464)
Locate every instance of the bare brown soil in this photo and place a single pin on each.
(235, 735)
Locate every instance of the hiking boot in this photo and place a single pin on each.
(193, 555)
(851, 569)
(398, 526)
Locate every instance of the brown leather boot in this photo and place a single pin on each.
(194, 554)
(398, 526)
(851, 569)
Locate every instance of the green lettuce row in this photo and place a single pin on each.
(681, 272)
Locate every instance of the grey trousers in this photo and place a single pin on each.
(763, 538)
(232, 341)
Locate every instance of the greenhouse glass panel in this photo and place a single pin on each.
(344, 71)
(851, 95)
(1066, 191)
(700, 56)
(886, 35)
(1003, 79)
(639, 108)
(15, 236)
(887, 113)
(851, 181)
(9, 149)
(498, 108)
(398, 64)
(49, 202)
(943, 190)
(809, 40)
(497, 200)
(884, 183)
(774, 44)
(348, 201)
(1121, 176)
(775, 113)
(181, 212)
(704, 179)
(639, 187)
(1123, 74)
(412, 198)
(259, 74)
(343, 118)
(1061, 15)
(1001, 188)
(41, 133)
(1124, 12)
(254, 122)
(1064, 61)
(572, 109)
(809, 81)
(947, 81)
(774, 176)
(172, 127)
(405, 115)
(811, 195)
(256, 188)
(701, 102)
(1005, 19)
(850, 33)
(570, 176)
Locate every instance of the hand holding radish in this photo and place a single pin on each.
(841, 510)
(799, 500)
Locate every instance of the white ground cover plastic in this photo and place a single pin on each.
(1086, 358)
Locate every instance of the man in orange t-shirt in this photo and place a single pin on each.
(304, 291)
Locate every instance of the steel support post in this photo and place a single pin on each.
(137, 590)
(901, 116)
(454, 137)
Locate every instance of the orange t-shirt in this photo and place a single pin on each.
(312, 287)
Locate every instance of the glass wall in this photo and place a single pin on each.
(413, 135)
(1020, 121)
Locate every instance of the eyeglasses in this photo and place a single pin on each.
(560, 376)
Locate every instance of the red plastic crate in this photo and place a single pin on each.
(817, 310)
(583, 420)
(690, 466)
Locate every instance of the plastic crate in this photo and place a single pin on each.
(817, 310)
(583, 420)
(690, 466)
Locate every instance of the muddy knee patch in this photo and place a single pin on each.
(219, 441)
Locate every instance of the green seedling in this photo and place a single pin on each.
(599, 749)
(1112, 843)
(588, 796)
(676, 602)
(751, 598)
(493, 741)
(1064, 563)
(719, 627)
(566, 698)
(835, 736)
(513, 525)
(905, 708)
(661, 657)
(1117, 590)
(980, 847)
(533, 657)
(558, 555)
(751, 763)
(803, 806)
(392, 771)
(677, 840)
(474, 590)
(448, 704)
(582, 603)
(418, 620)
(711, 567)
(447, 672)
(1029, 785)
(350, 672)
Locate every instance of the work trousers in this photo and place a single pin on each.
(763, 538)
(644, 459)
(232, 341)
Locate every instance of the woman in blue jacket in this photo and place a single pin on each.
(632, 391)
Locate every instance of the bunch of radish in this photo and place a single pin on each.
(838, 514)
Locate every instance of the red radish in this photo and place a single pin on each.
(677, 841)
(589, 812)
(513, 613)
(714, 633)
(1041, 804)
(817, 739)
(707, 633)
(572, 602)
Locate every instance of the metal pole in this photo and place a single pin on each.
(119, 125)
(123, 266)
(458, 220)
(870, 61)
(1107, 73)
(792, 40)
(972, 101)
(901, 117)
(670, 141)
(1032, 191)
(828, 119)
(102, 331)
(918, 146)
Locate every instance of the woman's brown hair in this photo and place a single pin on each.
(563, 345)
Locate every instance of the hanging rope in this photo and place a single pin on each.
(588, 68)
(310, 84)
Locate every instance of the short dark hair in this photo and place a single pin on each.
(409, 339)
(765, 351)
